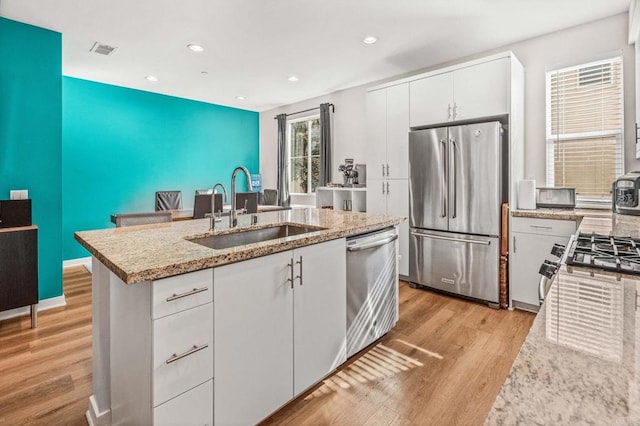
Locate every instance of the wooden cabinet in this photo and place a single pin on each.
(531, 243)
(280, 327)
(19, 269)
(469, 92)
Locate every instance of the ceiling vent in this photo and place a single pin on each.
(103, 49)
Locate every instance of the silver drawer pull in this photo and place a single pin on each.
(191, 351)
(188, 293)
(541, 227)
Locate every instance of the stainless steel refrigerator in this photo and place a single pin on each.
(455, 192)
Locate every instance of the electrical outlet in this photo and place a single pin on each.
(19, 194)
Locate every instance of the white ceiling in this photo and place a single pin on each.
(252, 46)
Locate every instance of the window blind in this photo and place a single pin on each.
(585, 128)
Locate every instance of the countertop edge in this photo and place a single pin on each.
(228, 256)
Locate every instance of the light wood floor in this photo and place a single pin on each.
(443, 364)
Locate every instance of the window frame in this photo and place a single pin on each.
(307, 118)
(551, 139)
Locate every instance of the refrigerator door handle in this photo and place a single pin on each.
(444, 178)
(454, 209)
(460, 240)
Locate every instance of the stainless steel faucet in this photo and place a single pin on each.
(233, 217)
(216, 218)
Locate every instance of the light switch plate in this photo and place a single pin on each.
(19, 194)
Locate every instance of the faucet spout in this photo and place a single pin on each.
(233, 217)
(212, 215)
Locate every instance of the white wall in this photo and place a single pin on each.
(538, 55)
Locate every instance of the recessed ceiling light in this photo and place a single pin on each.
(204, 72)
(151, 78)
(240, 98)
(195, 47)
(293, 78)
(370, 40)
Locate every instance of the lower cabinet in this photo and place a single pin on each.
(531, 243)
(161, 350)
(280, 327)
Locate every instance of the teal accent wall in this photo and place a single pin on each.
(31, 136)
(121, 145)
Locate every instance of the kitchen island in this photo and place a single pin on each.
(580, 363)
(165, 307)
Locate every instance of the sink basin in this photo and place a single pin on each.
(251, 235)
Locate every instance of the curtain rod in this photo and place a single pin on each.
(333, 109)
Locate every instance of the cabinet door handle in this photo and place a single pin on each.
(514, 243)
(387, 169)
(540, 227)
(387, 187)
(448, 111)
(300, 276)
(193, 350)
(455, 110)
(290, 279)
(383, 170)
(382, 188)
(188, 293)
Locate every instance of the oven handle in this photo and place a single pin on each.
(373, 244)
(459, 240)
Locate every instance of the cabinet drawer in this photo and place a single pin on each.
(543, 226)
(182, 352)
(182, 292)
(194, 407)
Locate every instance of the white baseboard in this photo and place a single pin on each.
(94, 416)
(43, 305)
(84, 261)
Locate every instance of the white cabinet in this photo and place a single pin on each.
(191, 408)
(388, 159)
(392, 197)
(531, 243)
(275, 337)
(253, 339)
(388, 133)
(161, 349)
(319, 312)
(338, 198)
(472, 91)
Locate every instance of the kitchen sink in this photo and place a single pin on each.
(253, 235)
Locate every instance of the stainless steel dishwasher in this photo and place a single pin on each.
(372, 287)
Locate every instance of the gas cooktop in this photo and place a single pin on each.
(617, 254)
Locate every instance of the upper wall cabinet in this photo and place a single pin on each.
(471, 91)
(388, 132)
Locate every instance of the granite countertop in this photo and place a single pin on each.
(149, 252)
(580, 363)
(561, 214)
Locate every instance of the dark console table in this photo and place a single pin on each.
(19, 269)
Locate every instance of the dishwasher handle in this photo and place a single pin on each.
(373, 244)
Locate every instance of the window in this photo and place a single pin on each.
(585, 129)
(304, 154)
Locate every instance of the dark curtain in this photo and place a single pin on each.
(325, 145)
(284, 199)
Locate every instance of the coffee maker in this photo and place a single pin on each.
(349, 173)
